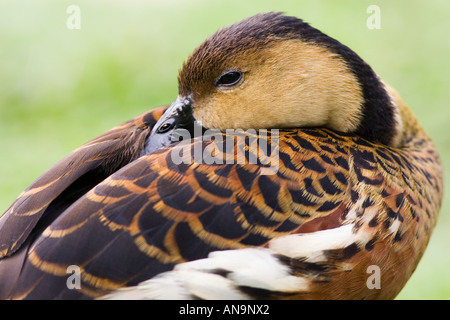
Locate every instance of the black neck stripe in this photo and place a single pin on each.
(378, 123)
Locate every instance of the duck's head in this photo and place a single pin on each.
(273, 71)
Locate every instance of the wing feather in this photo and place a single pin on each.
(72, 177)
(154, 214)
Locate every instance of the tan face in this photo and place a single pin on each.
(285, 84)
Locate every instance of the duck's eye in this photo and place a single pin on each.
(165, 127)
(228, 79)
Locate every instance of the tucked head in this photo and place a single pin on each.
(274, 71)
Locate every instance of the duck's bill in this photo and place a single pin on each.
(176, 124)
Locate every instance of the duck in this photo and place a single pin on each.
(332, 192)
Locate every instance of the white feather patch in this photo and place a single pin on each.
(311, 246)
(252, 267)
(161, 287)
(218, 277)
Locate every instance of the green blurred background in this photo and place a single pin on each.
(60, 87)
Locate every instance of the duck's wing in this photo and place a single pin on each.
(307, 230)
(72, 177)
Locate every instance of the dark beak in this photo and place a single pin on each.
(174, 124)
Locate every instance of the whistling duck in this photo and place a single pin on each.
(357, 185)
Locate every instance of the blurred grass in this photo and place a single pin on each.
(60, 87)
